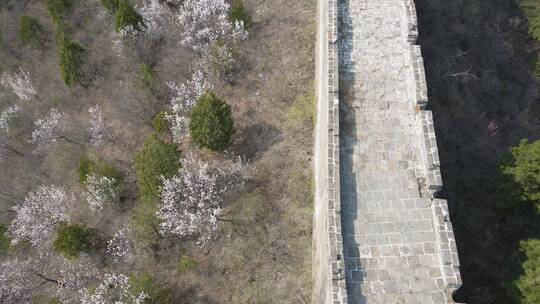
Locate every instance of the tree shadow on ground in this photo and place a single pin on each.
(253, 140)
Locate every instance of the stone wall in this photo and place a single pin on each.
(329, 278)
(328, 264)
(447, 248)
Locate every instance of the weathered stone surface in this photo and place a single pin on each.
(397, 239)
(328, 262)
(380, 236)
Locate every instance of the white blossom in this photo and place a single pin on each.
(6, 116)
(155, 15)
(4, 145)
(38, 215)
(120, 247)
(185, 94)
(191, 201)
(48, 130)
(100, 190)
(72, 275)
(239, 31)
(204, 22)
(113, 289)
(98, 129)
(184, 98)
(179, 124)
(14, 282)
(20, 83)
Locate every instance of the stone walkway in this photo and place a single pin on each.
(389, 235)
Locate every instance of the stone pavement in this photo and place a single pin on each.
(391, 227)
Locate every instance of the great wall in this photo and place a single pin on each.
(381, 235)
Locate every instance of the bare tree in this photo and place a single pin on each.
(112, 289)
(99, 131)
(6, 116)
(51, 273)
(48, 130)
(14, 282)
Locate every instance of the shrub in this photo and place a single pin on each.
(44, 299)
(211, 125)
(58, 8)
(531, 8)
(108, 171)
(156, 159)
(529, 283)
(536, 69)
(126, 16)
(156, 294)
(110, 5)
(524, 168)
(160, 122)
(87, 167)
(30, 31)
(147, 77)
(4, 240)
(186, 263)
(238, 12)
(72, 239)
(70, 60)
(146, 224)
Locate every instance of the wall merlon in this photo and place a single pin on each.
(411, 21)
(430, 151)
(419, 77)
(447, 248)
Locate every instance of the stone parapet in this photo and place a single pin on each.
(329, 266)
(394, 223)
(430, 153)
(447, 248)
(419, 76)
(411, 22)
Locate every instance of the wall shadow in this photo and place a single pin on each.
(347, 138)
(484, 100)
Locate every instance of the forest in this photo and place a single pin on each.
(156, 151)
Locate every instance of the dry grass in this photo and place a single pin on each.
(263, 253)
